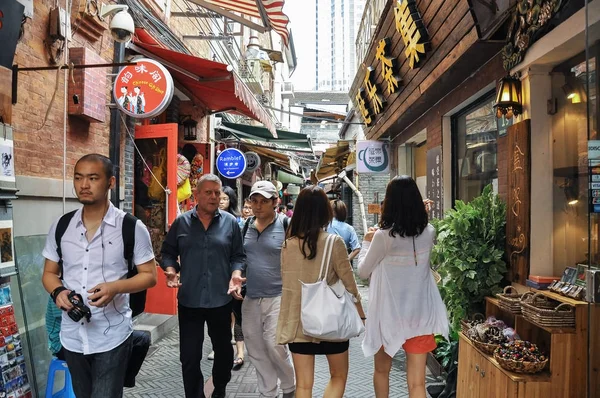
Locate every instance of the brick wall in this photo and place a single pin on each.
(39, 151)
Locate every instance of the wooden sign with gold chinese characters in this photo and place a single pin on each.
(369, 99)
(518, 207)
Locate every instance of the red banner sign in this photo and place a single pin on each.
(143, 90)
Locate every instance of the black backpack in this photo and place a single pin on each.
(137, 301)
(285, 220)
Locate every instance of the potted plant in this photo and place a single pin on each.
(469, 254)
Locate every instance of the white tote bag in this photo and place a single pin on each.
(329, 312)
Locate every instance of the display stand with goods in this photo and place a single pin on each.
(14, 382)
(550, 361)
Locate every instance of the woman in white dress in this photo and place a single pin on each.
(405, 306)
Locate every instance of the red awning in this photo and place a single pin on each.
(213, 84)
(255, 8)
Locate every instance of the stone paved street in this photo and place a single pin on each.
(160, 375)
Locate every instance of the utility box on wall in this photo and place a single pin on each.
(87, 96)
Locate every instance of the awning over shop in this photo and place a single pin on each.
(269, 11)
(332, 161)
(286, 140)
(287, 178)
(280, 159)
(214, 85)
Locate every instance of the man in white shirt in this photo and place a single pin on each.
(97, 349)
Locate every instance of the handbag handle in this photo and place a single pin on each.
(326, 256)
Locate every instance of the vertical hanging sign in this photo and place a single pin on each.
(434, 181)
(518, 206)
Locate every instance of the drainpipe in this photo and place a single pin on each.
(361, 201)
(114, 152)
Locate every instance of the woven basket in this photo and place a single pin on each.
(485, 347)
(465, 323)
(542, 311)
(520, 366)
(508, 301)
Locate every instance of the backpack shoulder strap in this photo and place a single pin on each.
(246, 225)
(128, 232)
(286, 223)
(61, 228)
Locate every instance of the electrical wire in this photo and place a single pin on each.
(167, 190)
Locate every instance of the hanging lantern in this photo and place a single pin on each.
(508, 100)
(189, 130)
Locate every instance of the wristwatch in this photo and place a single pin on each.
(56, 292)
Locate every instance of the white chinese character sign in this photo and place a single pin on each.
(373, 157)
(434, 182)
(143, 90)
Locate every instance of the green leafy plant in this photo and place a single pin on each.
(469, 253)
(444, 351)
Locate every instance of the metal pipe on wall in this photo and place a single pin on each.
(114, 151)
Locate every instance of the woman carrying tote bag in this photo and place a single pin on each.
(405, 306)
(301, 259)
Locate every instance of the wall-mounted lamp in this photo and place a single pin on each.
(573, 94)
(508, 100)
(571, 192)
(189, 129)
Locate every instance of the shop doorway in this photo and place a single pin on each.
(155, 169)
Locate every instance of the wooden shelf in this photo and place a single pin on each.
(542, 377)
(559, 297)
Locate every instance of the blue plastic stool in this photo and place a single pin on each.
(67, 391)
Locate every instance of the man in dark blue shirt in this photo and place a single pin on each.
(208, 244)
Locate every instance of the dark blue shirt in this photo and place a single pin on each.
(207, 257)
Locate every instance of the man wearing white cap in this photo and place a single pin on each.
(263, 237)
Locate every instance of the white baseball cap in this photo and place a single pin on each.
(265, 188)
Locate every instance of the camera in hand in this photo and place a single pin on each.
(79, 310)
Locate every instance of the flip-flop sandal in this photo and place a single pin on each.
(238, 363)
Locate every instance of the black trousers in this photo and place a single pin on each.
(99, 375)
(191, 330)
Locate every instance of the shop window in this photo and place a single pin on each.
(474, 137)
(570, 176)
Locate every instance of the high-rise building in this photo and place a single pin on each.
(337, 23)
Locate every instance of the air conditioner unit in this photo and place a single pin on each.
(287, 90)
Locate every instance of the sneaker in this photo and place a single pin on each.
(290, 394)
(211, 356)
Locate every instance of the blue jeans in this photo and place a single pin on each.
(99, 375)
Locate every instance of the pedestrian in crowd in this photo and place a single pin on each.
(246, 211)
(301, 258)
(339, 227)
(290, 210)
(90, 260)
(405, 306)
(204, 245)
(281, 209)
(228, 202)
(263, 236)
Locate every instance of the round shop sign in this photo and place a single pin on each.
(253, 161)
(143, 90)
(231, 163)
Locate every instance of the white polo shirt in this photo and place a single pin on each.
(87, 264)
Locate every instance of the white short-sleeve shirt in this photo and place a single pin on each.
(87, 264)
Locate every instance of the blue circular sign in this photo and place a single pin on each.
(231, 163)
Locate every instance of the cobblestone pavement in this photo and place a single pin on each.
(160, 375)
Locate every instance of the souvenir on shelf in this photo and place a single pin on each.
(521, 357)
(14, 381)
